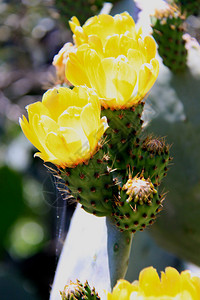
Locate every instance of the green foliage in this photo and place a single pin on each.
(11, 200)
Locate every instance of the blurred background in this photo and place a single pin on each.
(31, 33)
(33, 217)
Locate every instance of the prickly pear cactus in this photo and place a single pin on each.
(78, 291)
(140, 208)
(168, 30)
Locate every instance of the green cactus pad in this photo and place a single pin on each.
(138, 205)
(152, 158)
(78, 291)
(91, 184)
(168, 32)
(124, 127)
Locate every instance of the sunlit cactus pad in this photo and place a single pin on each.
(168, 32)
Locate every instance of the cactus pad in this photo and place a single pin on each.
(168, 32)
(124, 127)
(138, 204)
(152, 158)
(91, 184)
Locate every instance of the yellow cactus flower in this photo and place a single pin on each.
(103, 26)
(60, 60)
(172, 285)
(114, 59)
(65, 126)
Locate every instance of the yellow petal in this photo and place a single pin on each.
(57, 100)
(150, 46)
(149, 282)
(57, 146)
(37, 108)
(82, 95)
(96, 44)
(136, 59)
(78, 145)
(48, 124)
(112, 46)
(96, 74)
(29, 133)
(75, 67)
(70, 118)
(188, 285)
(171, 282)
(147, 77)
(120, 81)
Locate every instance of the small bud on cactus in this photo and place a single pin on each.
(168, 32)
(139, 189)
(139, 209)
(78, 291)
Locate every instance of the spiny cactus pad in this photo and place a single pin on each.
(91, 184)
(168, 32)
(124, 127)
(79, 291)
(138, 204)
(152, 158)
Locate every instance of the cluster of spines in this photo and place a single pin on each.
(168, 30)
(137, 213)
(91, 184)
(79, 291)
